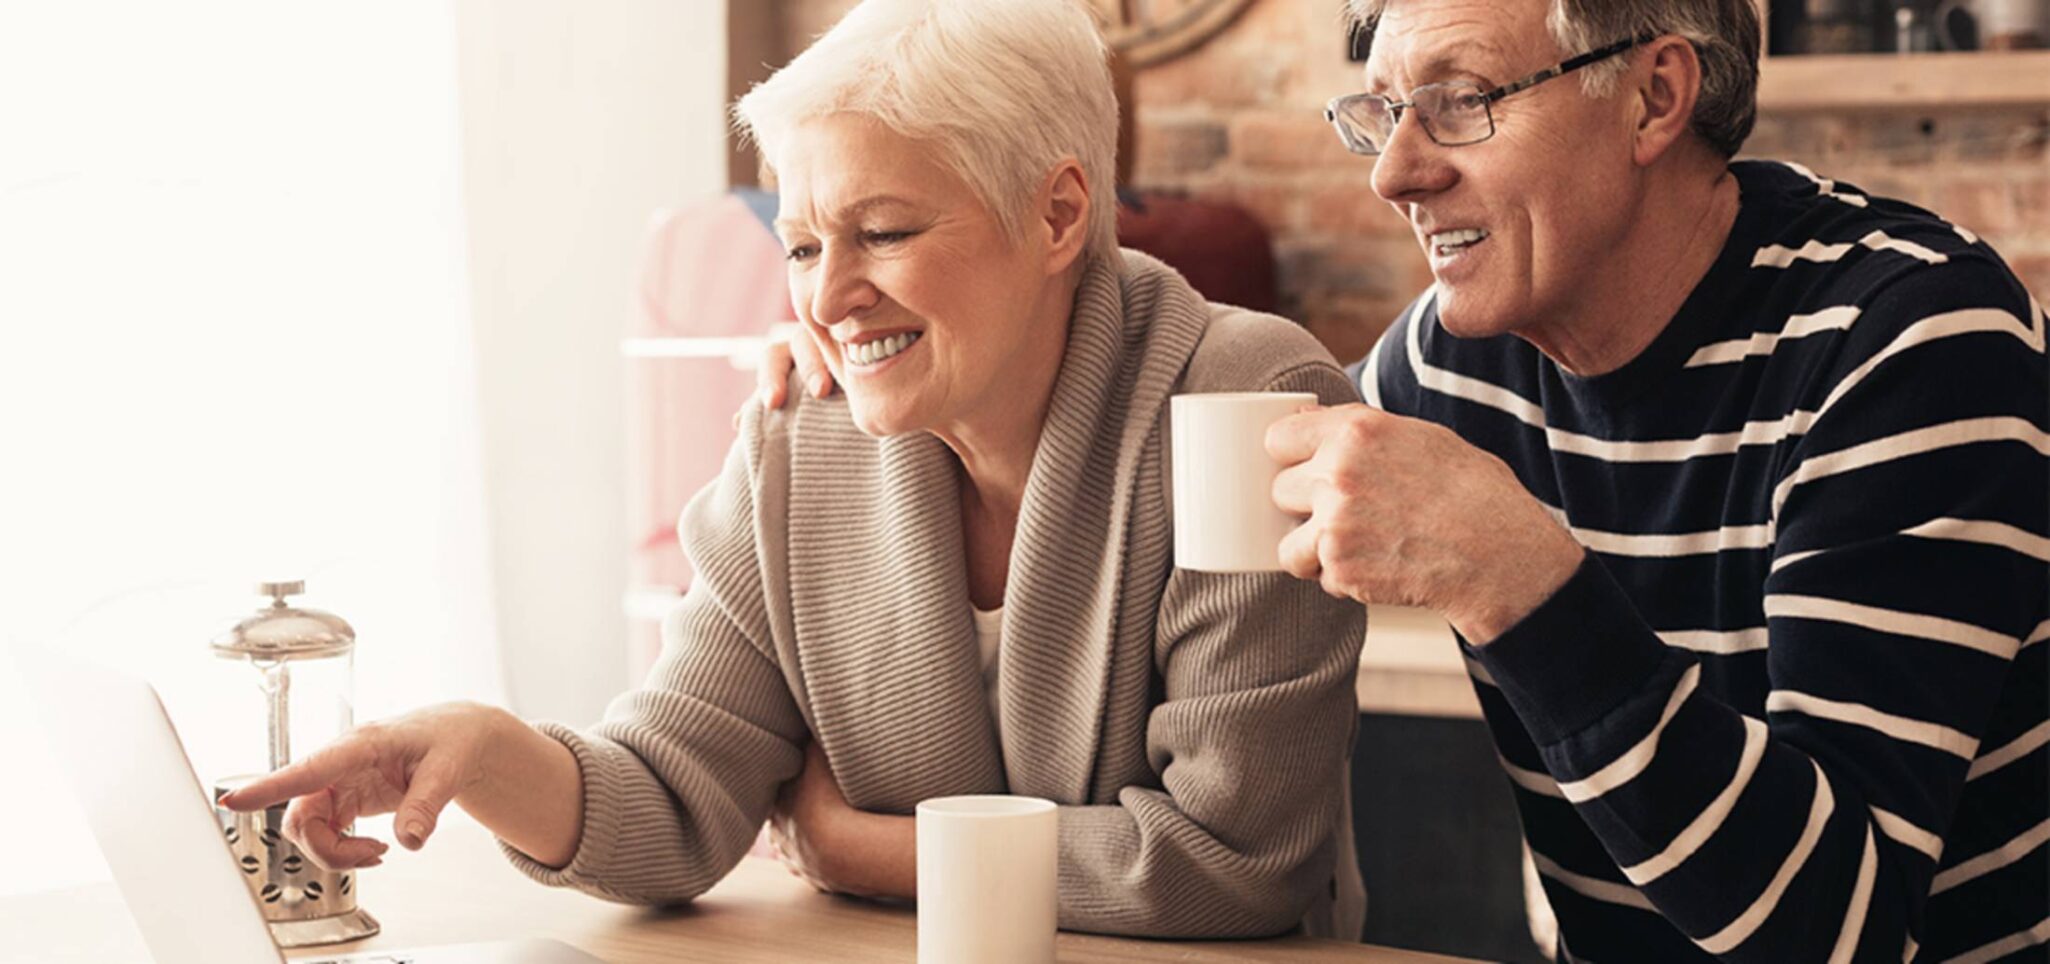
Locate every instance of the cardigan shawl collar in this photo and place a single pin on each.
(880, 647)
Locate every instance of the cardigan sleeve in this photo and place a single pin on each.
(683, 770)
(1250, 741)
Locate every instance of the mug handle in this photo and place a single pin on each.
(1945, 12)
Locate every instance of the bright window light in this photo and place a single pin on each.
(236, 347)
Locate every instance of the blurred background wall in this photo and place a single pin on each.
(579, 122)
(335, 293)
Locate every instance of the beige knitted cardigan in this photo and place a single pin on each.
(1195, 727)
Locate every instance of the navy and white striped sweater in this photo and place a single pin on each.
(1793, 706)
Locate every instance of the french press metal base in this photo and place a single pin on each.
(304, 905)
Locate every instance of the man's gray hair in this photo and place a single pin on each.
(1725, 35)
(1002, 90)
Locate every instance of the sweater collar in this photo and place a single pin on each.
(1135, 326)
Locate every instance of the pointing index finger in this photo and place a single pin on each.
(311, 775)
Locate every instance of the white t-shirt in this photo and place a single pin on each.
(989, 637)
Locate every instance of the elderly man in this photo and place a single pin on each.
(1732, 479)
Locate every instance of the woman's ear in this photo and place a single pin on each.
(1666, 94)
(1064, 214)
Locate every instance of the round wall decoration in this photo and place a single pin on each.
(1147, 32)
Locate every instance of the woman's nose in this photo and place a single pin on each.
(844, 289)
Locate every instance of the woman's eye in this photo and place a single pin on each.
(801, 252)
(885, 237)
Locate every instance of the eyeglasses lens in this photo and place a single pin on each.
(1454, 114)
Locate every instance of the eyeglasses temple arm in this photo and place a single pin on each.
(1568, 66)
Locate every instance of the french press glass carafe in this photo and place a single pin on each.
(294, 670)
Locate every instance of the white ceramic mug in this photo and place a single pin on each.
(1225, 519)
(988, 879)
(2002, 24)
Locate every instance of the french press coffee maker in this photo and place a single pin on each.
(294, 669)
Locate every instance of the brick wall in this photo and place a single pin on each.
(1347, 262)
(1240, 120)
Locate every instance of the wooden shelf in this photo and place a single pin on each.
(742, 351)
(1911, 81)
(650, 603)
(739, 351)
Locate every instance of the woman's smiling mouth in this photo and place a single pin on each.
(876, 351)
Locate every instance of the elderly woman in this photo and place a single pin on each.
(956, 577)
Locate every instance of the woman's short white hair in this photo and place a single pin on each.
(1002, 90)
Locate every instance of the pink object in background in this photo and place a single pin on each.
(713, 270)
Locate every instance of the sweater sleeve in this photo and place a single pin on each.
(683, 770)
(1908, 574)
(1250, 740)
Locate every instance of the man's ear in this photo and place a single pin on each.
(1063, 214)
(1668, 86)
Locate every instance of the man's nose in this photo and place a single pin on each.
(1411, 165)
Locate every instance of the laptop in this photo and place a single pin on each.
(116, 745)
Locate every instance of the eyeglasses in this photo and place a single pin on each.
(1454, 114)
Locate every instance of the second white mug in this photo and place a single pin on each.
(988, 880)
